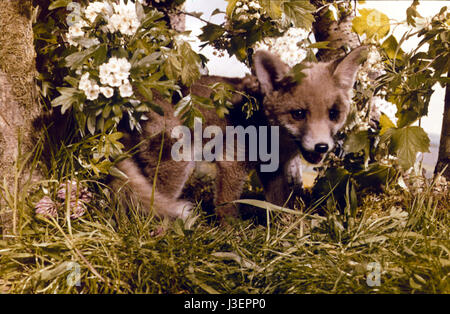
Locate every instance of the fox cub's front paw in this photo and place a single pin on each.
(183, 209)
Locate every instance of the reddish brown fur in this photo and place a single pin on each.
(326, 85)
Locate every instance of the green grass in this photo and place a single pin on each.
(406, 233)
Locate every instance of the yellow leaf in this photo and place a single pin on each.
(372, 23)
(386, 123)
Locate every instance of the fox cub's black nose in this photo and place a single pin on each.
(321, 148)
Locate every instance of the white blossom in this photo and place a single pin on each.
(113, 65)
(126, 90)
(254, 5)
(286, 46)
(92, 92)
(115, 72)
(114, 81)
(124, 66)
(108, 92)
(76, 32)
(85, 83)
(95, 8)
(124, 18)
(114, 23)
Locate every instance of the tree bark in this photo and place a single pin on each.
(18, 96)
(338, 33)
(444, 146)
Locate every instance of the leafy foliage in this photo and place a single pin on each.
(249, 22)
(160, 60)
(375, 148)
(404, 230)
(76, 52)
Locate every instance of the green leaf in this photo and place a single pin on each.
(71, 80)
(151, 17)
(106, 111)
(406, 142)
(172, 67)
(145, 91)
(91, 123)
(69, 96)
(147, 61)
(296, 72)
(411, 13)
(333, 183)
(239, 48)
(406, 117)
(392, 49)
(140, 13)
(375, 175)
(320, 45)
(99, 55)
(59, 4)
(299, 13)
(357, 142)
(211, 32)
(267, 206)
(273, 8)
(78, 58)
(115, 172)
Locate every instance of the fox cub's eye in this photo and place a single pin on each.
(333, 114)
(299, 114)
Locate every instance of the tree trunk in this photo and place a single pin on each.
(338, 33)
(18, 100)
(444, 146)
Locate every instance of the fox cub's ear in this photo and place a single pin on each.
(269, 70)
(344, 69)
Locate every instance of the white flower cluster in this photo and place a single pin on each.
(76, 35)
(89, 87)
(371, 69)
(96, 8)
(124, 18)
(286, 46)
(114, 73)
(120, 17)
(386, 107)
(248, 10)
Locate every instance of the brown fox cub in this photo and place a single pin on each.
(302, 117)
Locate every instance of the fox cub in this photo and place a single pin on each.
(308, 115)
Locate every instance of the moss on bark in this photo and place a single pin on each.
(18, 96)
